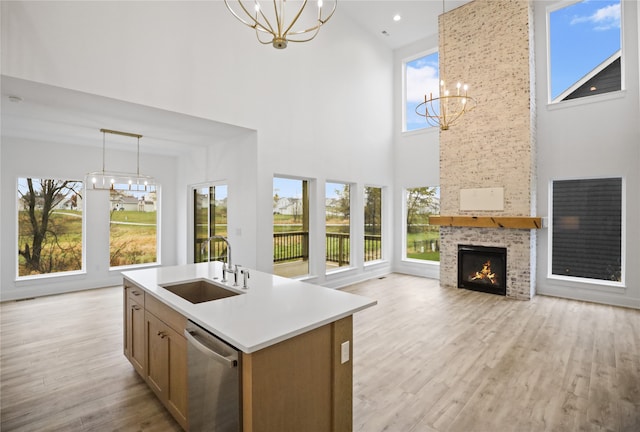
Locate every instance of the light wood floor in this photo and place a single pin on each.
(425, 359)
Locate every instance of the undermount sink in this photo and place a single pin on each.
(199, 291)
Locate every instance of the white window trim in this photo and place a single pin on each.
(589, 282)
(586, 99)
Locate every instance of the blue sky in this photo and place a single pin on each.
(583, 35)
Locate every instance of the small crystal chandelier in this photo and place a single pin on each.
(268, 20)
(111, 180)
(447, 107)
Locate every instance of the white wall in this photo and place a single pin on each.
(23, 158)
(321, 110)
(591, 137)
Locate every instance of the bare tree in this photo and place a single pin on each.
(39, 202)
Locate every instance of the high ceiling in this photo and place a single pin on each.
(60, 115)
(419, 18)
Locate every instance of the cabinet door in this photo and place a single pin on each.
(157, 355)
(135, 345)
(177, 395)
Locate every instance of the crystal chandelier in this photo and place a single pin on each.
(278, 22)
(110, 180)
(447, 107)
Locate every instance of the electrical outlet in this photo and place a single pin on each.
(344, 353)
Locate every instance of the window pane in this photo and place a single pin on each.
(587, 228)
(133, 227)
(421, 78)
(49, 226)
(210, 218)
(290, 227)
(584, 44)
(338, 230)
(422, 239)
(372, 223)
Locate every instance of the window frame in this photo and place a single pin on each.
(83, 268)
(382, 224)
(192, 230)
(404, 242)
(588, 98)
(158, 260)
(404, 62)
(582, 280)
(351, 243)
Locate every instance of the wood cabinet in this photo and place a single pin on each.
(134, 324)
(155, 346)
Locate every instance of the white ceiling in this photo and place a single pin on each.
(61, 115)
(419, 18)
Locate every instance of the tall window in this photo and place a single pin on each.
(584, 49)
(338, 228)
(420, 79)
(49, 226)
(290, 227)
(587, 229)
(372, 223)
(133, 226)
(210, 219)
(422, 239)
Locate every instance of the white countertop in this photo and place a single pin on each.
(270, 310)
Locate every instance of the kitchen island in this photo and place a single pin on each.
(295, 341)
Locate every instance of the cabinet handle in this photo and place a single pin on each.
(135, 307)
(135, 293)
(162, 334)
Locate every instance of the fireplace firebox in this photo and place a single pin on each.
(482, 268)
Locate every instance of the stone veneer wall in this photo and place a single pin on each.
(489, 45)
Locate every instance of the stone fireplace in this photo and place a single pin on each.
(487, 159)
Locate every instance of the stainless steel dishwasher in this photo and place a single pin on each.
(214, 382)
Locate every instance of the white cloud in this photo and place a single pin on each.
(604, 18)
(421, 81)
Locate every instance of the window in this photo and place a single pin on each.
(209, 219)
(290, 227)
(584, 49)
(49, 226)
(422, 239)
(338, 229)
(420, 79)
(587, 229)
(133, 226)
(372, 223)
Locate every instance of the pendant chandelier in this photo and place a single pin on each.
(279, 22)
(447, 107)
(112, 180)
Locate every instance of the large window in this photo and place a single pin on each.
(584, 49)
(210, 219)
(49, 226)
(420, 79)
(290, 227)
(587, 229)
(372, 223)
(133, 231)
(338, 228)
(422, 239)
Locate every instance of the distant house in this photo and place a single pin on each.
(604, 78)
(288, 206)
(122, 202)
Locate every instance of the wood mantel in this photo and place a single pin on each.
(515, 222)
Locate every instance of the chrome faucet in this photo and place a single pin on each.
(225, 268)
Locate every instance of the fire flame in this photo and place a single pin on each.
(484, 274)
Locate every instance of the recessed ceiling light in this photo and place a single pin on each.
(397, 17)
(593, 88)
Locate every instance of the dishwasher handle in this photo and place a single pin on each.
(228, 361)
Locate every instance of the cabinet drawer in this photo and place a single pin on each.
(136, 294)
(172, 318)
